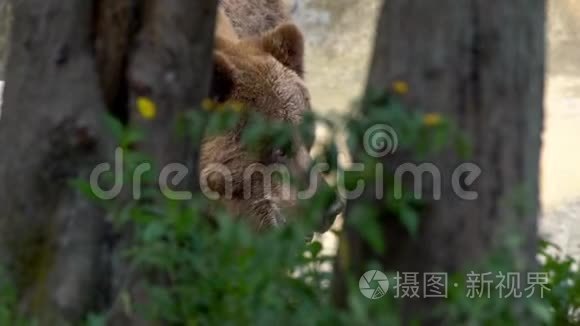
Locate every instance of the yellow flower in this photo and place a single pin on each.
(237, 106)
(146, 107)
(432, 119)
(400, 87)
(208, 104)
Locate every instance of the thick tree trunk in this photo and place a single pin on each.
(172, 65)
(5, 23)
(69, 65)
(479, 63)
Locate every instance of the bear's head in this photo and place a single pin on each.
(263, 74)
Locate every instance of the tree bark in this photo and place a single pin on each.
(481, 65)
(5, 23)
(71, 62)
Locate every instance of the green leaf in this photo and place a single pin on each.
(154, 231)
(463, 146)
(96, 320)
(115, 126)
(440, 138)
(410, 219)
(85, 188)
(132, 136)
(364, 219)
(315, 248)
(541, 310)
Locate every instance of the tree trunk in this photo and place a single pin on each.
(71, 62)
(481, 65)
(5, 23)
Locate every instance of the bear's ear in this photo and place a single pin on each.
(286, 44)
(223, 79)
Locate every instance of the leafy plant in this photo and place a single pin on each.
(564, 283)
(206, 269)
(9, 314)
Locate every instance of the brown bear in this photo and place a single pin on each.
(258, 62)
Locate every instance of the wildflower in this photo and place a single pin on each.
(208, 104)
(237, 106)
(400, 87)
(432, 119)
(146, 107)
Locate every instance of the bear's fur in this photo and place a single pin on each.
(258, 62)
(252, 18)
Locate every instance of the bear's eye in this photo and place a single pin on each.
(279, 153)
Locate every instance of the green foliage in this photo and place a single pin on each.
(9, 314)
(217, 271)
(206, 268)
(557, 304)
(367, 224)
(223, 273)
(563, 299)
